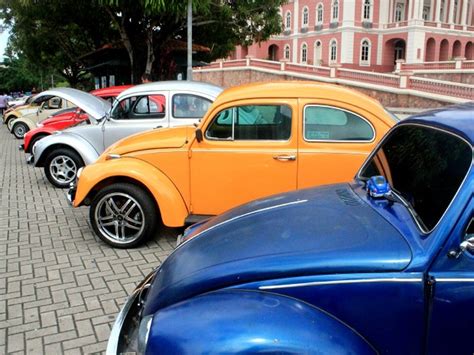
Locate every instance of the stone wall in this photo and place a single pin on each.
(230, 78)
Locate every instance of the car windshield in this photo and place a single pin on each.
(424, 167)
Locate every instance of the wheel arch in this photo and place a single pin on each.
(168, 199)
(32, 139)
(51, 148)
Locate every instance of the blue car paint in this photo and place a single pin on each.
(363, 261)
(296, 327)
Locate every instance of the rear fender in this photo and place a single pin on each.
(236, 321)
(172, 206)
(66, 140)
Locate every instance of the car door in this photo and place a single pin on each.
(248, 151)
(336, 139)
(452, 277)
(136, 113)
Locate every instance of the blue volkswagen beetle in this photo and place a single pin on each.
(329, 269)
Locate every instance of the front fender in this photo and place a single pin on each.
(236, 321)
(27, 119)
(172, 206)
(73, 141)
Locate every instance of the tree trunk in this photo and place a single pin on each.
(150, 57)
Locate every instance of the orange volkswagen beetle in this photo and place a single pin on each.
(255, 140)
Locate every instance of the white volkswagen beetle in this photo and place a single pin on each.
(142, 107)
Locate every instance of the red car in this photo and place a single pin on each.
(66, 118)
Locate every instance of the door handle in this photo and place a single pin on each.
(284, 157)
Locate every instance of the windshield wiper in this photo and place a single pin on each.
(395, 196)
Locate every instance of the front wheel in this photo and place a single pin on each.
(9, 122)
(19, 130)
(61, 167)
(123, 215)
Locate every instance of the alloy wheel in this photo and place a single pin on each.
(63, 169)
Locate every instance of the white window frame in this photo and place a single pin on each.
(288, 20)
(305, 17)
(335, 10)
(315, 60)
(365, 4)
(331, 46)
(304, 53)
(366, 62)
(287, 51)
(400, 4)
(319, 6)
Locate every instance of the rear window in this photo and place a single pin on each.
(424, 166)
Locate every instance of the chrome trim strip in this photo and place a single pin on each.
(454, 279)
(244, 215)
(339, 282)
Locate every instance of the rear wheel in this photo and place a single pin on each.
(123, 215)
(19, 130)
(61, 166)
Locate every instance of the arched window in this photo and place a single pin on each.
(319, 15)
(335, 10)
(288, 20)
(305, 16)
(367, 8)
(304, 53)
(333, 51)
(287, 52)
(365, 52)
(318, 52)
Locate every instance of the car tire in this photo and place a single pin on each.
(9, 121)
(19, 130)
(61, 166)
(123, 215)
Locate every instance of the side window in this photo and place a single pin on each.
(252, 122)
(323, 123)
(140, 107)
(189, 106)
(52, 104)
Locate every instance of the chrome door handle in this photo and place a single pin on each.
(284, 157)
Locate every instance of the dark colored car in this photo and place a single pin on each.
(329, 269)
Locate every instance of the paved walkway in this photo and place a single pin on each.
(60, 287)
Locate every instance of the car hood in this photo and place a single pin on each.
(308, 232)
(96, 107)
(158, 138)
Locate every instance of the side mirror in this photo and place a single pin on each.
(199, 136)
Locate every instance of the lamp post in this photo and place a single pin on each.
(189, 74)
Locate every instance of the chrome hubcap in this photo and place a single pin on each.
(119, 217)
(63, 169)
(20, 130)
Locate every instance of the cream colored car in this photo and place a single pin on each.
(19, 126)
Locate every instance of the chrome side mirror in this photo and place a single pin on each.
(467, 244)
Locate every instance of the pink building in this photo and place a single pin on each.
(370, 34)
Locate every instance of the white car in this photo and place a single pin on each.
(142, 107)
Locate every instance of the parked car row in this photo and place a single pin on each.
(388, 240)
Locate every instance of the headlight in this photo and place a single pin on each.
(79, 172)
(143, 333)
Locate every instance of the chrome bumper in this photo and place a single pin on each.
(125, 319)
(71, 193)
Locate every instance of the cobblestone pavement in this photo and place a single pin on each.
(60, 286)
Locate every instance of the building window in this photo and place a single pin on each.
(287, 52)
(317, 53)
(288, 21)
(367, 8)
(305, 17)
(399, 12)
(441, 10)
(365, 52)
(333, 51)
(320, 13)
(335, 10)
(426, 13)
(304, 53)
(455, 11)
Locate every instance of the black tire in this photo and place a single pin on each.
(9, 119)
(19, 130)
(61, 166)
(34, 140)
(123, 215)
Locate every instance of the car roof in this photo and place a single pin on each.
(458, 119)
(198, 86)
(301, 89)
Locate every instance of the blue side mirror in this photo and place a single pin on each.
(377, 187)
